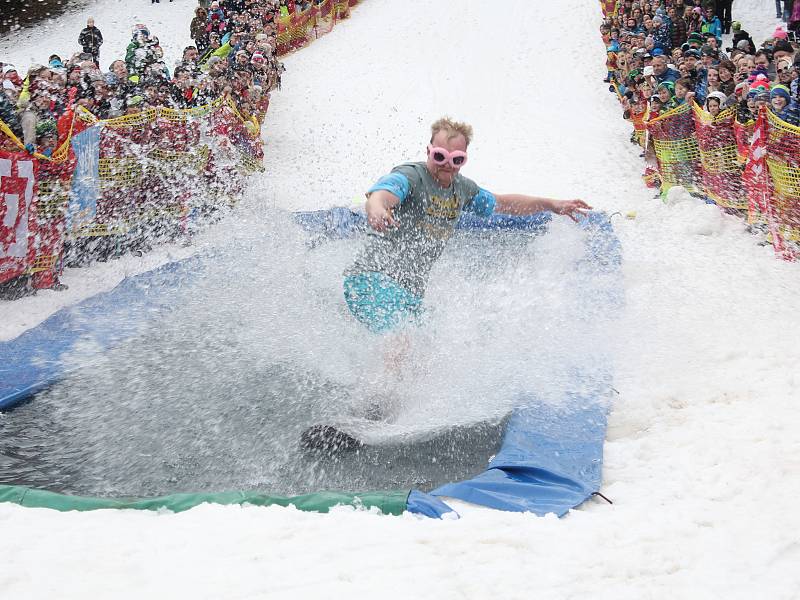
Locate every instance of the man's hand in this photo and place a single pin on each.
(570, 208)
(380, 218)
(379, 212)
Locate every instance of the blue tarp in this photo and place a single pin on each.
(551, 456)
(34, 360)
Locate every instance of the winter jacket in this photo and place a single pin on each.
(662, 37)
(138, 56)
(679, 34)
(197, 29)
(8, 114)
(742, 35)
(713, 26)
(90, 39)
(790, 114)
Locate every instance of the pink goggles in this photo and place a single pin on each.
(440, 156)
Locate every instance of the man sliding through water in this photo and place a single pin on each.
(412, 213)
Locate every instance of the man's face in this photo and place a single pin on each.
(100, 89)
(120, 70)
(762, 61)
(190, 55)
(659, 65)
(445, 173)
(709, 13)
(784, 71)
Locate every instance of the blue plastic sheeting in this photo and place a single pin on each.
(550, 461)
(36, 359)
(424, 504)
(552, 454)
(551, 457)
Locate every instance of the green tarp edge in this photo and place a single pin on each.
(389, 503)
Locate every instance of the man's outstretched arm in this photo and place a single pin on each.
(380, 204)
(520, 205)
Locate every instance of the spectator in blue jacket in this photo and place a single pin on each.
(712, 24)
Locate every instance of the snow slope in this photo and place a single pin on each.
(702, 451)
(168, 21)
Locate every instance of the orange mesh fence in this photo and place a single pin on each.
(299, 28)
(609, 7)
(721, 172)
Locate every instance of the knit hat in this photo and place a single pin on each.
(743, 45)
(760, 81)
(780, 91)
(780, 34)
(707, 50)
(668, 85)
(782, 46)
(692, 52)
(736, 26)
(741, 88)
(257, 57)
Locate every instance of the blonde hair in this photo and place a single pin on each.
(453, 129)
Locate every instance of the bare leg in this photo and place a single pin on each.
(396, 350)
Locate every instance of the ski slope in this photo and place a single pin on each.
(702, 451)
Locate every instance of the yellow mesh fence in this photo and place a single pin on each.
(44, 262)
(341, 9)
(249, 164)
(59, 155)
(721, 158)
(675, 151)
(101, 230)
(783, 162)
(195, 160)
(51, 199)
(120, 171)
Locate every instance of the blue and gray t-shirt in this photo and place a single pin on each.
(426, 217)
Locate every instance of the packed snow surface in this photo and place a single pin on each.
(702, 451)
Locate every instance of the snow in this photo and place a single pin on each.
(702, 448)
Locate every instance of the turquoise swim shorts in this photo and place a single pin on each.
(379, 302)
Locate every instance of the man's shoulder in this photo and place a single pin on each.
(414, 171)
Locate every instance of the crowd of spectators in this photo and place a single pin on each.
(664, 53)
(234, 55)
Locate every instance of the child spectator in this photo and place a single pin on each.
(783, 106)
(666, 94)
(714, 103)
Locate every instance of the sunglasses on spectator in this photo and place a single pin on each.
(440, 156)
